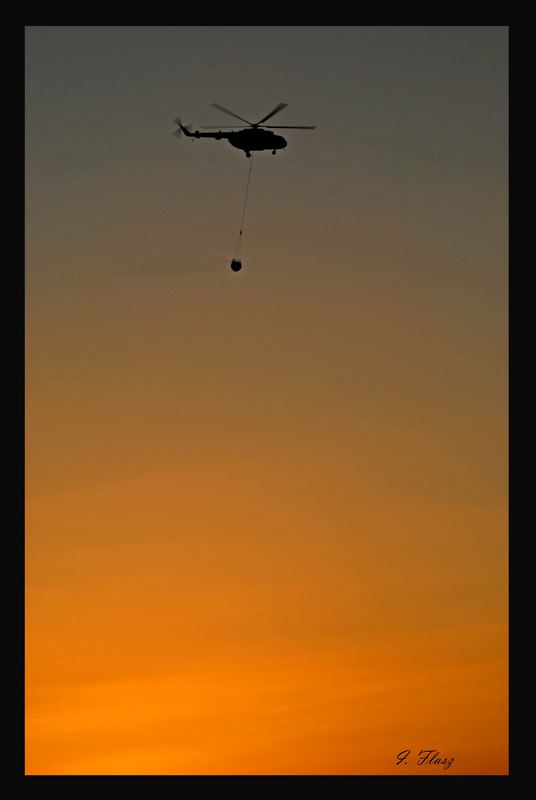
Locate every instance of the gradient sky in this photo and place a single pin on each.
(266, 511)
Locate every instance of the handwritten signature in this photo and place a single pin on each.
(428, 757)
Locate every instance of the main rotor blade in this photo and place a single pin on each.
(226, 111)
(294, 127)
(278, 108)
(219, 127)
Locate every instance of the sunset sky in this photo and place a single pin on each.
(266, 511)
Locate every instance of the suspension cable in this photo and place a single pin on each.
(239, 240)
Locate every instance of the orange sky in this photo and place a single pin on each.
(180, 623)
(266, 512)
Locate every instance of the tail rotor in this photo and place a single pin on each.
(178, 132)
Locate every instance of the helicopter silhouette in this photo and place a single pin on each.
(255, 137)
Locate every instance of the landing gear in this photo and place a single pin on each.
(248, 155)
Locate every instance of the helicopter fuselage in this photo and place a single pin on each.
(247, 139)
(256, 139)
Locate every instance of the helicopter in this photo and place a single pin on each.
(255, 137)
